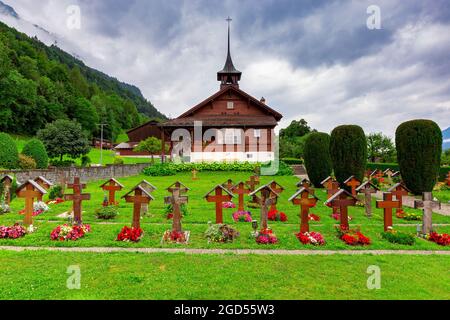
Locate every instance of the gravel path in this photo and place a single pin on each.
(231, 251)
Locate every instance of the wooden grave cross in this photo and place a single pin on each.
(44, 183)
(112, 186)
(268, 198)
(342, 199)
(399, 190)
(305, 183)
(332, 187)
(219, 198)
(7, 184)
(427, 204)
(150, 188)
(301, 198)
(240, 190)
(353, 183)
(278, 189)
(30, 190)
(367, 188)
(194, 174)
(176, 200)
(178, 185)
(387, 204)
(141, 196)
(228, 184)
(77, 197)
(389, 173)
(253, 182)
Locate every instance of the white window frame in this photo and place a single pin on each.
(230, 105)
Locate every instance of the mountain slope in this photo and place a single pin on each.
(8, 10)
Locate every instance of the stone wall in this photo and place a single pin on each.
(56, 175)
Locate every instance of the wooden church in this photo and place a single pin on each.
(230, 125)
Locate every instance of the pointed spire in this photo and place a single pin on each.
(229, 75)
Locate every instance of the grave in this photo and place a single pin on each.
(240, 190)
(228, 184)
(353, 183)
(77, 197)
(342, 199)
(150, 188)
(275, 186)
(387, 204)
(44, 183)
(176, 200)
(332, 186)
(267, 198)
(389, 174)
(427, 204)
(305, 183)
(140, 197)
(219, 198)
(253, 183)
(30, 190)
(399, 190)
(112, 186)
(7, 184)
(178, 185)
(302, 198)
(368, 188)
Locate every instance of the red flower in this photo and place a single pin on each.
(130, 234)
(275, 215)
(440, 239)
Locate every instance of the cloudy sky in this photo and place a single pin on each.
(310, 59)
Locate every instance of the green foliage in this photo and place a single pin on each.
(9, 155)
(419, 149)
(292, 139)
(151, 145)
(399, 237)
(26, 162)
(348, 150)
(317, 157)
(85, 161)
(55, 192)
(283, 169)
(380, 148)
(292, 161)
(170, 169)
(118, 161)
(62, 163)
(64, 137)
(35, 149)
(184, 210)
(296, 129)
(107, 213)
(221, 233)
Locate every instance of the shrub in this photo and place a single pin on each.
(292, 161)
(399, 237)
(9, 156)
(55, 192)
(107, 213)
(36, 150)
(317, 157)
(170, 169)
(118, 161)
(62, 163)
(85, 161)
(419, 149)
(26, 163)
(348, 150)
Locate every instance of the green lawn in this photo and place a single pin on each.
(200, 212)
(43, 275)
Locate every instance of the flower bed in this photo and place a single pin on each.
(352, 237)
(174, 237)
(266, 236)
(440, 239)
(313, 217)
(314, 238)
(242, 216)
(72, 233)
(13, 232)
(228, 205)
(410, 216)
(38, 209)
(128, 234)
(275, 215)
(221, 233)
(394, 236)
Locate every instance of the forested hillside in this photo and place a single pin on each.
(39, 84)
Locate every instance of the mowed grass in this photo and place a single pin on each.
(43, 275)
(201, 212)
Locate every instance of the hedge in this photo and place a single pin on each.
(9, 155)
(292, 161)
(317, 157)
(36, 150)
(419, 150)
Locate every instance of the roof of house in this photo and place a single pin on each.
(126, 145)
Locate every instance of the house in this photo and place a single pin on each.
(230, 125)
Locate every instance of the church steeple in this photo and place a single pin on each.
(229, 75)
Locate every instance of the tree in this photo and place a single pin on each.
(380, 148)
(9, 155)
(317, 157)
(348, 149)
(151, 145)
(419, 150)
(296, 129)
(85, 114)
(35, 149)
(64, 137)
(292, 139)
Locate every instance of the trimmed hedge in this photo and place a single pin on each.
(36, 150)
(292, 161)
(9, 155)
(348, 150)
(317, 157)
(419, 150)
(26, 162)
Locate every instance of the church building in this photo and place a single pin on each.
(230, 125)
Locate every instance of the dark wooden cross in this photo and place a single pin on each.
(353, 183)
(44, 183)
(427, 204)
(389, 174)
(268, 198)
(240, 190)
(305, 183)
(253, 182)
(228, 184)
(278, 189)
(399, 190)
(178, 185)
(7, 183)
(301, 198)
(332, 187)
(77, 197)
(219, 198)
(448, 178)
(367, 188)
(387, 204)
(194, 174)
(30, 190)
(112, 186)
(176, 200)
(342, 200)
(140, 197)
(327, 182)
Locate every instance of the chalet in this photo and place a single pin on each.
(230, 125)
